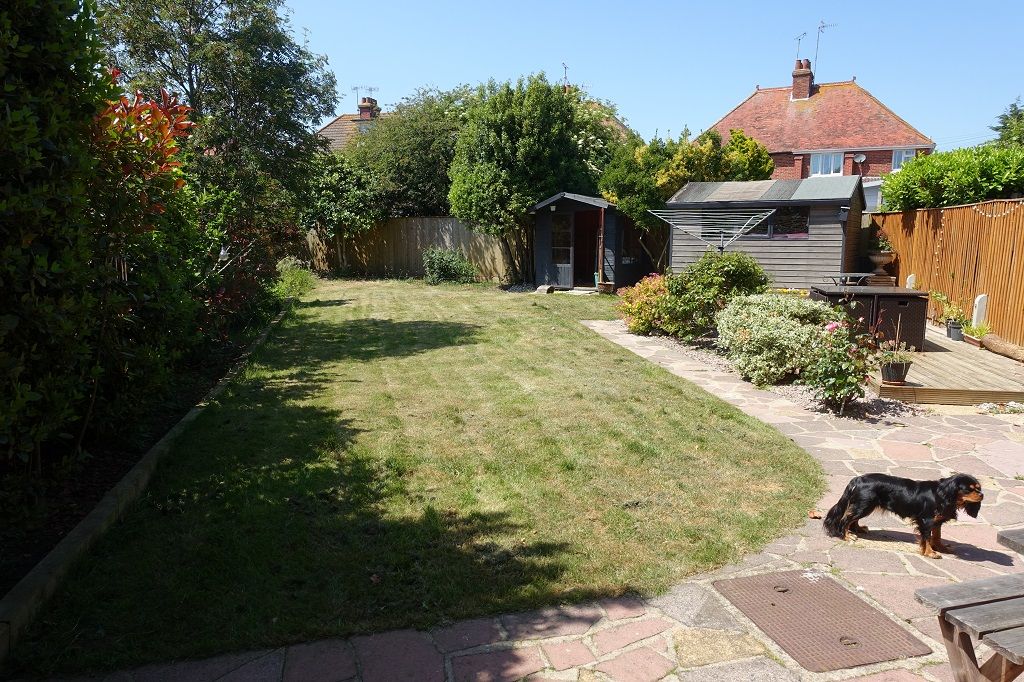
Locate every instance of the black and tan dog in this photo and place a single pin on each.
(928, 504)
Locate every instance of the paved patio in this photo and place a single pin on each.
(691, 634)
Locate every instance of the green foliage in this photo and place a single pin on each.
(961, 176)
(773, 337)
(893, 352)
(640, 177)
(411, 149)
(341, 197)
(641, 305)
(948, 310)
(707, 160)
(629, 179)
(52, 92)
(977, 330)
(697, 294)
(840, 365)
(1010, 126)
(447, 265)
(294, 278)
(521, 143)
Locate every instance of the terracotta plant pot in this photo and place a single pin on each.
(895, 373)
(973, 340)
(606, 287)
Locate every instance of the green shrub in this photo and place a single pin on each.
(447, 265)
(641, 305)
(698, 293)
(294, 279)
(772, 337)
(840, 365)
(961, 176)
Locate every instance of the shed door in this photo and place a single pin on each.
(561, 248)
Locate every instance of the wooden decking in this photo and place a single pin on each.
(956, 373)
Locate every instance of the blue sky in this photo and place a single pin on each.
(947, 68)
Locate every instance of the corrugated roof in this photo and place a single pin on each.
(817, 189)
(582, 198)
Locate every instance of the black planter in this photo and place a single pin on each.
(954, 330)
(895, 372)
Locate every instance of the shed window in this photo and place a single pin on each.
(561, 239)
(830, 163)
(788, 222)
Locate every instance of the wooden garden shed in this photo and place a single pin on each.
(812, 229)
(570, 231)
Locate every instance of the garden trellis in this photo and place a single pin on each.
(718, 227)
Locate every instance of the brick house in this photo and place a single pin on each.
(342, 130)
(814, 129)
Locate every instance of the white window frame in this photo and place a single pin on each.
(903, 155)
(834, 160)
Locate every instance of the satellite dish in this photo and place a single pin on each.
(859, 158)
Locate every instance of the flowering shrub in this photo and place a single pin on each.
(696, 294)
(772, 337)
(840, 366)
(641, 305)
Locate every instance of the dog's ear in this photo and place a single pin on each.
(948, 490)
(972, 509)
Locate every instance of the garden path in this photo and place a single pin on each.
(691, 634)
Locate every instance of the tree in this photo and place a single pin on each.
(411, 149)
(522, 143)
(257, 93)
(641, 177)
(1011, 125)
(706, 160)
(256, 96)
(342, 199)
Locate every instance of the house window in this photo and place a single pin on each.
(830, 163)
(901, 156)
(788, 222)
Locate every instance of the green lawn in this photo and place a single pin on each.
(400, 455)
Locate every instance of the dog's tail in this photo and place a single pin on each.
(835, 520)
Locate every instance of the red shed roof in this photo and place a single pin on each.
(836, 116)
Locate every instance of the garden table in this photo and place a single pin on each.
(990, 611)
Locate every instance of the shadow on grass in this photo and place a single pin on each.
(271, 523)
(323, 303)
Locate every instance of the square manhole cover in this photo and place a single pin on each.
(819, 623)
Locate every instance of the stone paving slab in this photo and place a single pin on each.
(691, 634)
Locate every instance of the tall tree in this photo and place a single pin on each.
(255, 91)
(1010, 126)
(523, 142)
(642, 176)
(411, 148)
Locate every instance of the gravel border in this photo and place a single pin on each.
(869, 408)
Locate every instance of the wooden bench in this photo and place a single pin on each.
(990, 611)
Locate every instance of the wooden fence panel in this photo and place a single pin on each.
(964, 251)
(395, 248)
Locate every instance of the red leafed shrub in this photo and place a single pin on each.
(641, 305)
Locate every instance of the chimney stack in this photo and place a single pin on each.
(368, 109)
(803, 79)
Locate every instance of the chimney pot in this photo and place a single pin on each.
(803, 80)
(368, 108)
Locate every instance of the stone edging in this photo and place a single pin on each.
(19, 606)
